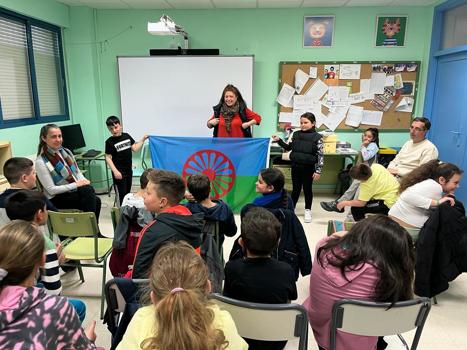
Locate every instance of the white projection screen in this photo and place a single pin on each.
(174, 95)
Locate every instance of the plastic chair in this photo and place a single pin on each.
(273, 322)
(115, 216)
(379, 319)
(339, 225)
(138, 171)
(86, 245)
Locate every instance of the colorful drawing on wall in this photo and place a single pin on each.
(318, 31)
(390, 30)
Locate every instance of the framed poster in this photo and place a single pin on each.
(390, 30)
(318, 31)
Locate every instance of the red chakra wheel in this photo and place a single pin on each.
(216, 165)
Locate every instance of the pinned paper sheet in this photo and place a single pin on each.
(301, 79)
(377, 82)
(354, 116)
(389, 80)
(349, 71)
(302, 102)
(357, 97)
(285, 117)
(317, 90)
(338, 93)
(365, 88)
(333, 119)
(406, 105)
(372, 117)
(398, 83)
(285, 95)
(313, 72)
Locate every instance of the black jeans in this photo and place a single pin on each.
(84, 199)
(302, 177)
(373, 207)
(123, 186)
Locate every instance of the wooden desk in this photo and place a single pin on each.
(86, 164)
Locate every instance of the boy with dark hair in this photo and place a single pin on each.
(259, 278)
(118, 155)
(21, 175)
(174, 222)
(30, 206)
(214, 210)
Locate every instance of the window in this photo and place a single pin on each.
(32, 81)
(455, 27)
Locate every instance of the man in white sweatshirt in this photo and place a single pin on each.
(415, 152)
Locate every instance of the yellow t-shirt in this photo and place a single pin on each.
(143, 325)
(380, 186)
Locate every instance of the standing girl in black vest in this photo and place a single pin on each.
(306, 158)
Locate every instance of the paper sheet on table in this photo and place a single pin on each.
(338, 93)
(377, 82)
(406, 105)
(333, 119)
(300, 80)
(285, 95)
(365, 88)
(372, 117)
(349, 71)
(285, 117)
(389, 80)
(354, 116)
(317, 90)
(313, 72)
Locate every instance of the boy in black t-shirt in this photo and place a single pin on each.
(259, 278)
(118, 155)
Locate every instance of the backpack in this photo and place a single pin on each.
(212, 254)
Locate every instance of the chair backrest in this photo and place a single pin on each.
(378, 319)
(115, 213)
(73, 224)
(339, 225)
(272, 322)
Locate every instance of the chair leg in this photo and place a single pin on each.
(403, 341)
(81, 275)
(104, 274)
(435, 301)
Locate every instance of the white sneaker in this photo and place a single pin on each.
(307, 217)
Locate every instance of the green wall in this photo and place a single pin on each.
(93, 39)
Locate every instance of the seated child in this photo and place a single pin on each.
(30, 206)
(259, 278)
(214, 210)
(133, 217)
(174, 222)
(379, 190)
(180, 315)
(21, 175)
(29, 317)
(293, 246)
(360, 264)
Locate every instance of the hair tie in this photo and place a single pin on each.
(177, 289)
(3, 274)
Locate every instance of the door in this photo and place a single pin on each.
(449, 114)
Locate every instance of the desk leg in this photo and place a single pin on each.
(107, 178)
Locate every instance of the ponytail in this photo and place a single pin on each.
(179, 284)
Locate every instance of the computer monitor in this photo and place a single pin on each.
(72, 137)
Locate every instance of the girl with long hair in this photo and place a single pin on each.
(231, 116)
(426, 187)
(180, 315)
(30, 318)
(373, 261)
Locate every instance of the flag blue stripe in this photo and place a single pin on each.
(247, 154)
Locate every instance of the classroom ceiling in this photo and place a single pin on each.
(223, 4)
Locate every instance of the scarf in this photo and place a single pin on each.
(62, 173)
(267, 198)
(228, 114)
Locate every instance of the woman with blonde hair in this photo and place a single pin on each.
(29, 318)
(180, 316)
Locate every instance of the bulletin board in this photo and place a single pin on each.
(392, 119)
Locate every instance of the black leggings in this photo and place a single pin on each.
(302, 177)
(373, 207)
(123, 186)
(84, 199)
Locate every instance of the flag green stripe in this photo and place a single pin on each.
(242, 192)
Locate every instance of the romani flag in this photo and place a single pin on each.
(232, 164)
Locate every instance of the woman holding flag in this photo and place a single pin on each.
(231, 116)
